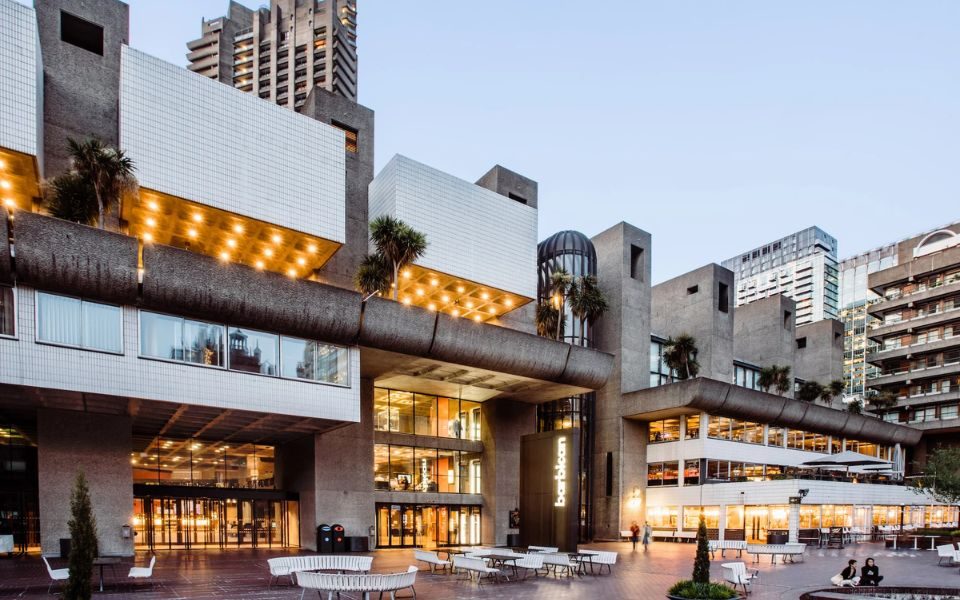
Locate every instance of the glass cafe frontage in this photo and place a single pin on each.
(199, 494)
(427, 525)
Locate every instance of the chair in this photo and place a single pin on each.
(55, 574)
(946, 551)
(143, 572)
(737, 574)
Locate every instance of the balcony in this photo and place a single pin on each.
(903, 376)
(203, 52)
(903, 300)
(207, 39)
(913, 349)
(919, 322)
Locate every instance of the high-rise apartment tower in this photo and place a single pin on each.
(280, 53)
(801, 266)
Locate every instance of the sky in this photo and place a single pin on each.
(715, 126)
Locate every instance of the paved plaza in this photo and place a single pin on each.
(244, 574)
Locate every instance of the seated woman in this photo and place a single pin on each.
(870, 574)
(847, 577)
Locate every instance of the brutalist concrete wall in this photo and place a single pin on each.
(510, 184)
(692, 304)
(764, 333)
(503, 423)
(81, 88)
(295, 471)
(329, 108)
(819, 355)
(623, 273)
(344, 471)
(103, 442)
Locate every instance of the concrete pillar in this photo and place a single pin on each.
(633, 474)
(722, 521)
(503, 422)
(99, 445)
(793, 523)
(295, 471)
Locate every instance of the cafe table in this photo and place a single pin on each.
(103, 561)
(582, 558)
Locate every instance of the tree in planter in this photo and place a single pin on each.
(70, 197)
(775, 377)
(941, 475)
(680, 354)
(587, 302)
(701, 564)
(108, 171)
(398, 244)
(546, 318)
(373, 276)
(83, 542)
(560, 284)
(885, 399)
(855, 406)
(809, 391)
(782, 381)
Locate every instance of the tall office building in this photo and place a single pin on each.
(801, 266)
(855, 299)
(281, 52)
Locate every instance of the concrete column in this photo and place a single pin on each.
(502, 424)
(722, 521)
(794, 524)
(98, 445)
(295, 471)
(633, 475)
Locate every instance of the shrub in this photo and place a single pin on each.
(701, 564)
(83, 542)
(701, 591)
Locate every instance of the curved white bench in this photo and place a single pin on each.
(365, 584)
(784, 550)
(724, 545)
(286, 566)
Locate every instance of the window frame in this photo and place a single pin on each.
(36, 323)
(16, 304)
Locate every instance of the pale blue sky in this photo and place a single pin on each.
(716, 126)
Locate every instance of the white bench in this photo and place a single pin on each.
(530, 562)
(784, 550)
(475, 567)
(724, 545)
(557, 562)
(432, 559)
(287, 566)
(674, 535)
(947, 551)
(601, 557)
(736, 573)
(365, 584)
(626, 534)
(546, 549)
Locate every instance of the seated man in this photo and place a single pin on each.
(870, 574)
(847, 577)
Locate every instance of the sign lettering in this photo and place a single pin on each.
(560, 472)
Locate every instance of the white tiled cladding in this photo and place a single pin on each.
(728, 450)
(21, 79)
(472, 232)
(779, 492)
(25, 362)
(198, 139)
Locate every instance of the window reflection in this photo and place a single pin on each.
(425, 414)
(192, 462)
(6, 311)
(420, 469)
(79, 323)
(174, 338)
(254, 351)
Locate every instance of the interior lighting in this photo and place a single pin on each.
(152, 205)
(224, 256)
(3, 165)
(434, 282)
(232, 243)
(431, 306)
(259, 265)
(492, 310)
(301, 261)
(485, 296)
(455, 312)
(197, 218)
(291, 273)
(419, 292)
(276, 238)
(148, 237)
(9, 202)
(508, 301)
(268, 252)
(192, 233)
(445, 298)
(407, 274)
(5, 184)
(238, 229)
(469, 303)
(151, 222)
(406, 301)
(460, 289)
(476, 318)
(312, 248)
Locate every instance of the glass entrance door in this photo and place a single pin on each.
(425, 525)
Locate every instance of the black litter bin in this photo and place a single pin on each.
(339, 539)
(325, 539)
(358, 543)
(64, 547)
(513, 540)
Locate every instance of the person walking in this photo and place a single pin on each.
(634, 534)
(647, 535)
(870, 574)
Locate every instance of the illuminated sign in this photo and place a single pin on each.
(560, 472)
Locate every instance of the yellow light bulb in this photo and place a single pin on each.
(455, 312)
(5, 184)
(259, 265)
(419, 292)
(445, 298)
(476, 318)
(291, 273)
(192, 233)
(407, 274)
(197, 218)
(148, 237)
(485, 296)
(276, 238)
(268, 252)
(312, 248)
(460, 289)
(232, 243)
(153, 205)
(224, 256)
(469, 304)
(301, 261)
(238, 228)
(151, 222)
(9, 202)
(432, 306)
(407, 301)
(509, 302)
(434, 282)
(492, 310)
(3, 165)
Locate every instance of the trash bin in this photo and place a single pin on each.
(513, 540)
(339, 539)
(358, 543)
(325, 539)
(64, 547)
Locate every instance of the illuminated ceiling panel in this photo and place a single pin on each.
(458, 297)
(18, 180)
(169, 220)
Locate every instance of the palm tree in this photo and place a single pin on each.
(108, 170)
(546, 318)
(680, 354)
(70, 197)
(373, 276)
(560, 284)
(782, 381)
(767, 378)
(855, 406)
(587, 302)
(398, 244)
(809, 391)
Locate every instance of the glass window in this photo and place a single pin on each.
(381, 467)
(6, 311)
(667, 430)
(79, 323)
(425, 417)
(381, 411)
(775, 436)
(448, 471)
(734, 517)
(948, 412)
(254, 351)
(692, 424)
(795, 439)
(401, 468)
(202, 343)
(448, 423)
(174, 338)
(426, 475)
(200, 463)
(470, 473)
(401, 410)
(470, 420)
(654, 474)
(719, 428)
(671, 473)
(691, 517)
(691, 472)
(663, 517)
(718, 470)
(313, 361)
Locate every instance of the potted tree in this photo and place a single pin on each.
(699, 587)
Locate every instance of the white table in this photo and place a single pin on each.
(6, 544)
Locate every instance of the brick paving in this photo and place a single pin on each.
(243, 574)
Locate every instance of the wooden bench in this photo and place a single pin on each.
(784, 550)
(724, 545)
(334, 583)
(287, 566)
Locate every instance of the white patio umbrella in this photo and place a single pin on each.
(849, 459)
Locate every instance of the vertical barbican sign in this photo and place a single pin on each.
(560, 472)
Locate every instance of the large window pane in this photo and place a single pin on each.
(161, 336)
(469, 473)
(332, 364)
(102, 326)
(401, 411)
(448, 421)
(425, 422)
(202, 343)
(303, 359)
(254, 351)
(6, 311)
(470, 420)
(381, 467)
(381, 409)
(58, 319)
(401, 468)
(426, 475)
(448, 471)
